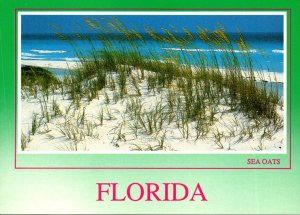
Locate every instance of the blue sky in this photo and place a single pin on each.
(39, 24)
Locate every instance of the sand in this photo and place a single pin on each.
(264, 75)
(50, 138)
(51, 64)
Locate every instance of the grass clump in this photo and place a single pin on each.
(195, 88)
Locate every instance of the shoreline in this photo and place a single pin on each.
(51, 64)
(267, 76)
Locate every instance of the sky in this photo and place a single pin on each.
(39, 24)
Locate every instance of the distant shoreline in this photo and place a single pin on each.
(268, 76)
(51, 64)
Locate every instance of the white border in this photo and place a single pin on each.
(284, 14)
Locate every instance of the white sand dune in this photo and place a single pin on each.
(49, 137)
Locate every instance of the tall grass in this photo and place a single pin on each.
(25, 139)
(192, 84)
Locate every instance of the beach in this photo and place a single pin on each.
(112, 88)
(114, 134)
(51, 64)
(262, 76)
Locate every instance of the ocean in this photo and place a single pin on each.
(265, 48)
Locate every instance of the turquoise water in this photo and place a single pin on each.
(266, 49)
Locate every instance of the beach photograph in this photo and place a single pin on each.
(151, 82)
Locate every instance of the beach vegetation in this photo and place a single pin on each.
(193, 88)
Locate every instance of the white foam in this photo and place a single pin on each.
(278, 51)
(71, 59)
(209, 50)
(32, 58)
(25, 54)
(47, 51)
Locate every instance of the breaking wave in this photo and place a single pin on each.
(207, 50)
(25, 54)
(278, 51)
(47, 51)
(32, 58)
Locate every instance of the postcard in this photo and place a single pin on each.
(149, 110)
